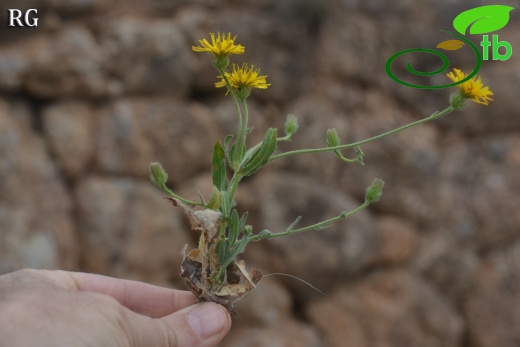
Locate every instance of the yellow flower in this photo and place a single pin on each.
(243, 78)
(219, 46)
(472, 89)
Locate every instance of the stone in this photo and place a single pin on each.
(387, 308)
(127, 229)
(397, 240)
(268, 305)
(132, 133)
(80, 69)
(289, 333)
(69, 130)
(36, 220)
(149, 57)
(484, 210)
(492, 307)
(447, 263)
(323, 258)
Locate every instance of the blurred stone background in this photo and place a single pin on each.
(100, 89)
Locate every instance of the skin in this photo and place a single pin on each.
(59, 308)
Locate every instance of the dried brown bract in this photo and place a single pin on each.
(200, 266)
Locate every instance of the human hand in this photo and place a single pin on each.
(59, 308)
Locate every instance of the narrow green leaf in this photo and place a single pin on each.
(233, 155)
(483, 19)
(262, 155)
(226, 253)
(293, 224)
(223, 251)
(239, 247)
(234, 224)
(218, 167)
(216, 199)
(227, 140)
(224, 203)
(242, 223)
(201, 198)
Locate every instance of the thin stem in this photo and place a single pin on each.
(355, 144)
(284, 138)
(233, 184)
(181, 199)
(242, 142)
(237, 106)
(319, 225)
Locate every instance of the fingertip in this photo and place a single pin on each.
(198, 325)
(209, 319)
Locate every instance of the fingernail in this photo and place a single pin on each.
(207, 319)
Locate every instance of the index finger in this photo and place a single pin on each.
(142, 298)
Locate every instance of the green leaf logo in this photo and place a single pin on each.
(483, 19)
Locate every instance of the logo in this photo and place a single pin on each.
(481, 20)
(18, 18)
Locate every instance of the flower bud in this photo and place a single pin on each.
(332, 138)
(248, 230)
(157, 174)
(291, 125)
(374, 191)
(221, 62)
(457, 100)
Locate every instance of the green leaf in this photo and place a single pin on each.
(201, 198)
(483, 19)
(218, 167)
(234, 224)
(243, 221)
(262, 155)
(226, 254)
(223, 250)
(239, 247)
(216, 199)
(224, 204)
(233, 155)
(293, 224)
(227, 140)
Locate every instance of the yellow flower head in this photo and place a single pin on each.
(243, 78)
(472, 89)
(220, 46)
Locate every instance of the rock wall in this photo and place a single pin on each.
(100, 89)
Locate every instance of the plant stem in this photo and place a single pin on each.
(242, 143)
(233, 184)
(319, 225)
(237, 106)
(355, 144)
(186, 201)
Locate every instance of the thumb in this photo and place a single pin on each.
(201, 325)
